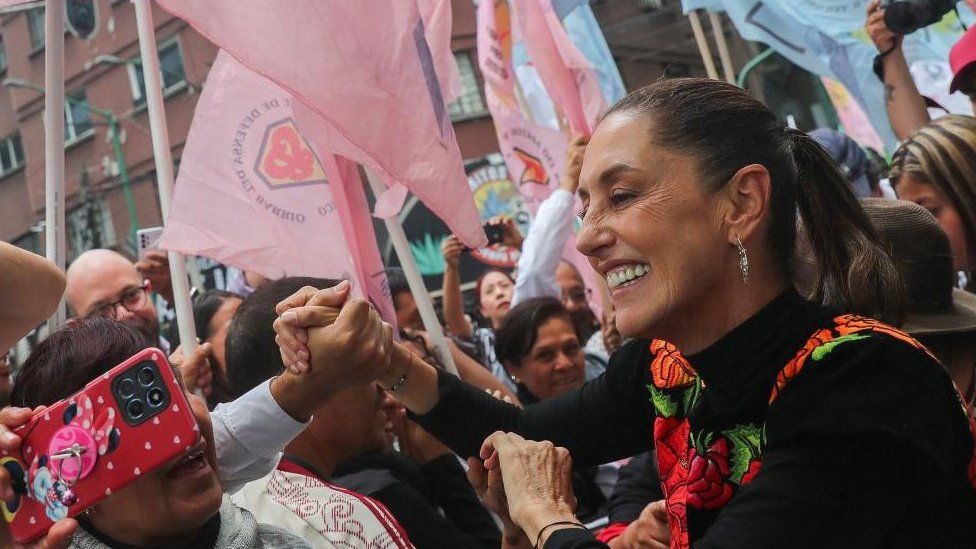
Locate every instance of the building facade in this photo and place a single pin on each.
(109, 170)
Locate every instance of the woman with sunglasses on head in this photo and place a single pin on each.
(778, 421)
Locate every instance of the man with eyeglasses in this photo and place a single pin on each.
(250, 432)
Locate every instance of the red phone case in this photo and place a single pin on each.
(53, 480)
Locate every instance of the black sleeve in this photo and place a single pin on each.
(869, 452)
(609, 418)
(637, 485)
(573, 538)
(425, 526)
(453, 493)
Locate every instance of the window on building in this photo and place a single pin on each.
(77, 117)
(469, 102)
(11, 154)
(35, 27)
(3, 56)
(170, 64)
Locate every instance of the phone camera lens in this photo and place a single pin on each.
(155, 397)
(135, 408)
(127, 388)
(147, 376)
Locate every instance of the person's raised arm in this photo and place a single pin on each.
(30, 290)
(453, 302)
(553, 223)
(906, 107)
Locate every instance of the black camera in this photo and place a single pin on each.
(907, 16)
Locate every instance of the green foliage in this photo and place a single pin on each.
(746, 441)
(427, 254)
(663, 404)
(823, 350)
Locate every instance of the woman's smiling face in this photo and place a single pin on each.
(649, 228)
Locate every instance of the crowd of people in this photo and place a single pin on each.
(780, 351)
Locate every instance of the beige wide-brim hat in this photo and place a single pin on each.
(921, 253)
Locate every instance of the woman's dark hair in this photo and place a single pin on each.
(250, 350)
(726, 129)
(69, 358)
(205, 306)
(520, 328)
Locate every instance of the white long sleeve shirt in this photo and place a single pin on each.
(543, 248)
(249, 436)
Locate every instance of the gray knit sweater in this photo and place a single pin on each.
(238, 530)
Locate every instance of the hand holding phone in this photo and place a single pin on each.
(80, 450)
(148, 239)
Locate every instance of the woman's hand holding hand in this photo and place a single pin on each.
(59, 536)
(329, 342)
(537, 481)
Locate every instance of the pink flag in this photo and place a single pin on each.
(254, 194)
(568, 76)
(368, 75)
(439, 23)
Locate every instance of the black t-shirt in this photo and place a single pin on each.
(865, 446)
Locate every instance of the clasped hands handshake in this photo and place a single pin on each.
(342, 342)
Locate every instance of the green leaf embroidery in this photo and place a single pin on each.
(663, 404)
(690, 396)
(825, 349)
(747, 442)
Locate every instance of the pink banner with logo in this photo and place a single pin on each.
(366, 78)
(253, 193)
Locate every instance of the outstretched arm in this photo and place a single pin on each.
(30, 290)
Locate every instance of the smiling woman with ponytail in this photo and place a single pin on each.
(778, 420)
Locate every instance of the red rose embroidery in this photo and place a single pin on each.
(708, 486)
(670, 443)
(751, 472)
(671, 436)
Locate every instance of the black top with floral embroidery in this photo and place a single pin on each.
(799, 428)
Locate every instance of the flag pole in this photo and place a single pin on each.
(723, 47)
(424, 304)
(163, 157)
(703, 49)
(54, 239)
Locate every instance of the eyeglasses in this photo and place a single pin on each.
(132, 300)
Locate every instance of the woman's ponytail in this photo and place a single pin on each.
(854, 273)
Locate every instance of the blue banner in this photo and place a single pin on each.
(827, 37)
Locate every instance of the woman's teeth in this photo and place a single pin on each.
(623, 275)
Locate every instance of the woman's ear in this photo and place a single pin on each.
(747, 195)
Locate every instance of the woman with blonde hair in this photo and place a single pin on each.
(936, 169)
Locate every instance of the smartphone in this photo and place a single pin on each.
(148, 239)
(120, 426)
(495, 233)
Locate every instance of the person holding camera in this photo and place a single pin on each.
(887, 24)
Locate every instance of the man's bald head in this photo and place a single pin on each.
(100, 277)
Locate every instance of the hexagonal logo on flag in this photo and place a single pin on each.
(285, 158)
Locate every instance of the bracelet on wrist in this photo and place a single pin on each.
(573, 523)
(403, 378)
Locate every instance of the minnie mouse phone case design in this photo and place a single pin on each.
(122, 425)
